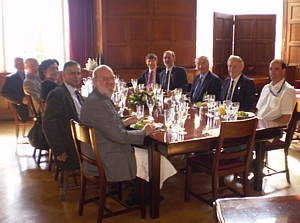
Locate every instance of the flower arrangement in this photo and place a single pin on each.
(139, 97)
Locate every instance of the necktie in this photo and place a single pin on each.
(79, 97)
(196, 93)
(150, 79)
(166, 84)
(229, 93)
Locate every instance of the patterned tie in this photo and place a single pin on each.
(229, 93)
(150, 79)
(196, 93)
(79, 97)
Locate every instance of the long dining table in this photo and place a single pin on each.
(199, 136)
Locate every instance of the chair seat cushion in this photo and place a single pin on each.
(207, 161)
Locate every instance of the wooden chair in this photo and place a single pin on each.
(23, 126)
(221, 163)
(283, 144)
(84, 134)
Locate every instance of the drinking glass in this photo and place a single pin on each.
(139, 111)
(150, 103)
(134, 83)
(169, 117)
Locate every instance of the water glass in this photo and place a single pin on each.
(150, 104)
(134, 83)
(169, 117)
(139, 111)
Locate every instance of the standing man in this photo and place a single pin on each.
(278, 98)
(205, 82)
(173, 76)
(151, 75)
(13, 92)
(32, 83)
(238, 87)
(62, 104)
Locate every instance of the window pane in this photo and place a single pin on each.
(33, 29)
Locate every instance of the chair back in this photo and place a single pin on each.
(292, 126)
(240, 134)
(85, 134)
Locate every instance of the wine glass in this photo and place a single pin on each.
(139, 111)
(134, 83)
(150, 103)
(169, 117)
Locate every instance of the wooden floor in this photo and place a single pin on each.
(28, 192)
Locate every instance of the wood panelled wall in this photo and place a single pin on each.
(133, 28)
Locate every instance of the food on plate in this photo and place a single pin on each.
(243, 114)
(140, 124)
(200, 104)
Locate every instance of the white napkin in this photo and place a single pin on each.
(166, 168)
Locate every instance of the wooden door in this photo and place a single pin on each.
(254, 41)
(222, 42)
(291, 32)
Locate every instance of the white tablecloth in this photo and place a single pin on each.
(166, 168)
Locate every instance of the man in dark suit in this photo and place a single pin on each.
(206, 82)
(62, 104)
(13, 92)
(173, 76)
(151, 75)
(238, 87)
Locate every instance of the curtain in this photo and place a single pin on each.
(82, 30)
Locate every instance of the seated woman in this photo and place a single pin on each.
(48, 72)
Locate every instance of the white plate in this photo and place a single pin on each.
(250, 115)
(157, 125)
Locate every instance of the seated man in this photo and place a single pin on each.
(32, 83)
(173, 76)
(13, 92)
(205, 82)
(151, 75)
(238, 87)
(277, 99)
(113, 139)
(63, 104)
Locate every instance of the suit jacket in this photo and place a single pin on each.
(113, 140)
(178, 79)
(46, 87)
(244, 93)
(32, 87)
(13, 92)
(56, 126)
(210, 85)
(143, 79)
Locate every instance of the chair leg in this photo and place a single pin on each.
(287, 171)
(64, 174)
(50, 160)
(39, 156)
(214, 186)
(245, 186)
(188, 178)
(82, 196)
(102, 198)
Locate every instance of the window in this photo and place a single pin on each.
(33, 28)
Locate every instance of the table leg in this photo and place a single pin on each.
(259, 165)
(154, 176)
